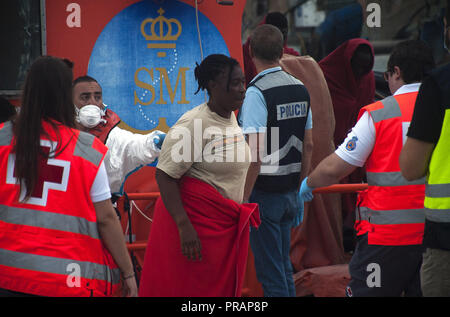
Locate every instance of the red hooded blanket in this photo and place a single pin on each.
(348, 94)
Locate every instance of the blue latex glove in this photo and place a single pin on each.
(305, 193)
(299, 217)
(159, 139)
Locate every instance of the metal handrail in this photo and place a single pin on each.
(341, 188)
(143, 196)
(337, 188)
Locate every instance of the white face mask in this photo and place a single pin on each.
(90, 116)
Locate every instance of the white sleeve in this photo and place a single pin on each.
(126, 152)
(100, 188)
(359, 142)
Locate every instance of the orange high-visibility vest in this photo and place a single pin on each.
(50, 244)
(391, 210)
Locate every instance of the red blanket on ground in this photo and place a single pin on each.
(223, 228)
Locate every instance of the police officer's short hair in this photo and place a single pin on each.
(266, 42)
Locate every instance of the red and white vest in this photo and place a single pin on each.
(50, 244)
(391, 210)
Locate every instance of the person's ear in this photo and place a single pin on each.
(250, 52)
(212, 84)
(397, 73)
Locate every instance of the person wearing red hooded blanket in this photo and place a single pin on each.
(276, 19)
(351, 81)
(198, 243)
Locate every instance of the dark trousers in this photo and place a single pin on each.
(271, 242)
(379, 270)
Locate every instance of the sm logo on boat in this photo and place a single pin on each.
(144, 59)
(162, 36)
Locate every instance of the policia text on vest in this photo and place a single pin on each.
(292, 110)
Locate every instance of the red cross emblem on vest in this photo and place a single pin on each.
(52, 174)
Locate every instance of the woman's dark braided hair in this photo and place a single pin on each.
(211, 67)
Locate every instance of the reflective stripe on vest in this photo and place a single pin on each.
(437, 193)
(437, 215)
(278, 155)
(390, 179)
(48, 220)
(391, 217)
(270, 163)
(276, 170)
(437, 190)
(390, 110)
(6, 134)
(85, 150)
(48, 264)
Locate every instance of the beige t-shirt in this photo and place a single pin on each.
(208, 147)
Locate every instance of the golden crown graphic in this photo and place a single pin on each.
(160, 35)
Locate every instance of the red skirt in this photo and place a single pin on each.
(223, 228)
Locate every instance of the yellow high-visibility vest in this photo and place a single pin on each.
(437, 193)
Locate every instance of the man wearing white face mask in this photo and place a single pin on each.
(126, 150)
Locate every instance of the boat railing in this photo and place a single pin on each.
(141, 245)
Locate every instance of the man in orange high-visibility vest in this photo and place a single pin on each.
(390, 213)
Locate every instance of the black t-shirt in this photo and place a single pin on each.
(429, 111)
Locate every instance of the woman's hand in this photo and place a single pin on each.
(190, 243)
(170, 194)
(130, 287)
(111, 234)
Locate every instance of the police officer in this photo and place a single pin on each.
(276, 106)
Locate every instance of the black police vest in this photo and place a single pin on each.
(287, 103)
